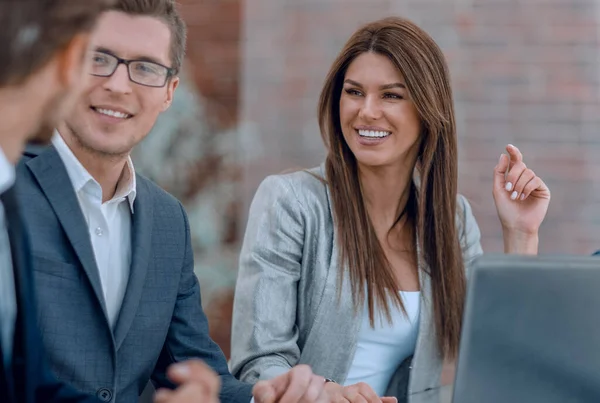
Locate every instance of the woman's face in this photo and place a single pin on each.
(379, 120)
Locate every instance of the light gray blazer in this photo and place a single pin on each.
(286, 309)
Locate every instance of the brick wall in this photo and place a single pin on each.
(524, 72)
(213, 54)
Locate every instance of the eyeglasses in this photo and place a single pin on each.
(141, 72)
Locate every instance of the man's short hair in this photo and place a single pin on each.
(166, 11)
(32, 31)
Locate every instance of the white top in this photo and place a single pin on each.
(8, 299)
(382, 349)
(109, 225)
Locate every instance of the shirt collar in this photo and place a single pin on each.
(80, 177)
(127, 186)
(7, 172)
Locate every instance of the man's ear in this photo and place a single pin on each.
(72, 61)
(171, 86)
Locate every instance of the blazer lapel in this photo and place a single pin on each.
(333, 337)
(54, 181)
(332, 341)
(427, 362)
(141, 238)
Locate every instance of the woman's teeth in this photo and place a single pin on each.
(373, 133)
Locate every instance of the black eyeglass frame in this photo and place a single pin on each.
(171, 72)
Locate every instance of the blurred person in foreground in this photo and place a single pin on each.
(42, 49)
(358, 267)
(118, 299)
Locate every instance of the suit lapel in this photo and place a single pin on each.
(141, 238)
(426, 363)
(54, 181)
(336, 320)
(334, 334)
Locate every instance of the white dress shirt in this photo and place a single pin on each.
(8, 299)
(382, 349)
(109, 225)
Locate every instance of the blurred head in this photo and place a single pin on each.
(136, 55)
(387, 102)
(42, 48)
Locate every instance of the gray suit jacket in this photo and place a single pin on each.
(286, 310)
(161, 320)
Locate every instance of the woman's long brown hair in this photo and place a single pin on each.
(432, 204)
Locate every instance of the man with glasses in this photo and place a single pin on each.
(118, 298)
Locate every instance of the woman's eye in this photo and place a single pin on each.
(391, 95)
(351, 91)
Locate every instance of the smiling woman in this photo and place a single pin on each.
(358, 267)
(383, 92)
(364, 239)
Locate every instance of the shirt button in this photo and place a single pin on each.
(99, 231)
(104, 394)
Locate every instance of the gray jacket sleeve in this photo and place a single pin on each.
(264, 330)
(469, 234)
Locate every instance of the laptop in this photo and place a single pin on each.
(531, 331)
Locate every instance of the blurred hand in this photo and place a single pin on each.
(357, 393)
(197, 384)
(522, 200)
(298, 385)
